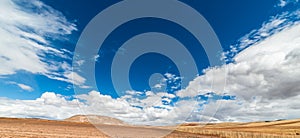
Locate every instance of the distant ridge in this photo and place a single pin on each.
(95, 119)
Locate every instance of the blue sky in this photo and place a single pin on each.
(39, 42)
(230, 20)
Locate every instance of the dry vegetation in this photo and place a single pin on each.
(37, 128)
(274, 129)
(78, 127)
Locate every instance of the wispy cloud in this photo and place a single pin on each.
(264, 78)
(274, 25)
(263, 74)
(22, 86)
(71, 77)
(27, 29)
(25, 87)
(283, 3)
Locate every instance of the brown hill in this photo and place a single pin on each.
(95, 119)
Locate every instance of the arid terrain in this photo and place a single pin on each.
(37, 128)
(79, 127)
(266, 129)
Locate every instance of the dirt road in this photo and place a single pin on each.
(21, 128)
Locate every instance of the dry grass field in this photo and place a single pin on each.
(273, 129)
(72, 128)
(37, 128)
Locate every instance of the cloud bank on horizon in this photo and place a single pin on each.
(262, 74)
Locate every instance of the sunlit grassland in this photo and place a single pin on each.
(273, 129)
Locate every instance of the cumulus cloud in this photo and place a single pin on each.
(55, 106)
(274, 25)
(49, 105)
(264, 77)
(27, 30)
(154, 109)
(268, 68)
(258, 109)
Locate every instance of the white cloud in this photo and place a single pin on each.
(22, 86)
(283, 3)
(49, 105)
(55, 106)
(158, 86)
(27, 29)
(171, 77)
(265, 77)
(25, 87)
(96, 58)
(258, 109)
(71, 77)
(80, 62)
(274, 25)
